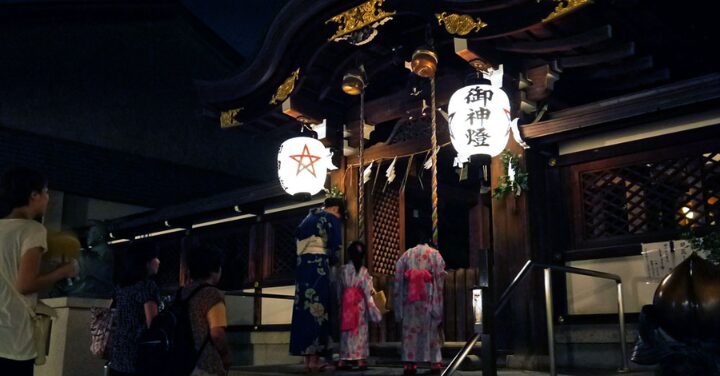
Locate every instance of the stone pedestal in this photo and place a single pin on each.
(69, 351)
(260, 348)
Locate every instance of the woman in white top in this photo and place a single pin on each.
(23, 199)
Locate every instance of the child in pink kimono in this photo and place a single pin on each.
(418, 303)
(358, 308)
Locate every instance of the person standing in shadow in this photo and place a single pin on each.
(24, 199)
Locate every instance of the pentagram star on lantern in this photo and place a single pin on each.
(310, 166)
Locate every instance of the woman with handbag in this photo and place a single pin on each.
(136, 305)
(23, 199)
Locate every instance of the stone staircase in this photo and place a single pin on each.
(388, 354)
(584, 347)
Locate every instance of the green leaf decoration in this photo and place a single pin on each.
(505, 185)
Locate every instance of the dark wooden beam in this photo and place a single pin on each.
(637, 81)
(265, 125)
(624, 69)
(381, 151)
(396, 105)
(298, 107)
(606, 56)
(585, 39)
(700, 89)
(228, 200)
(543, 82)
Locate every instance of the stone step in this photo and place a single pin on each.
(260, 348)
(297, 369)
(392, 349)
(583, 345)
(388, 354)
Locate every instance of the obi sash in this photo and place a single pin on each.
(417, 279)
(352, 296)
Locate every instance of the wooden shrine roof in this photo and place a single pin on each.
(601, 50)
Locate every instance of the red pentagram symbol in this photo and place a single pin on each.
(310, 166)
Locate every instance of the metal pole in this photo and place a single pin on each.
(488, 350)
(549, 313)
(457, 360)
(621, 318)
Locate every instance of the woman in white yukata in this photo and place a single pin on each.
(418, 303)
(358, 308)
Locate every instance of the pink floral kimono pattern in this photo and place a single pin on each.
(418, 303)
(358, 309)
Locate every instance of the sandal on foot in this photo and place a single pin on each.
(436, 368)
(410, 369)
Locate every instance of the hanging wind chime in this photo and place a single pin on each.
(354, 82)
(424, 64)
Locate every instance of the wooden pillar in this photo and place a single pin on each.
(520, 325)
(479, 228)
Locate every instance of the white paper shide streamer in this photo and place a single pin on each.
(367, 173)
(390, 173)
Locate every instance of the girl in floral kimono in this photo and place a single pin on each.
(418, 303)
(358, 308)
(318, 244)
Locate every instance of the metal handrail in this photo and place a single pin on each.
(547, 269)
(460, 356)
(259, 295)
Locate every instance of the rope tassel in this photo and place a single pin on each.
(433, 141)
(361, 180)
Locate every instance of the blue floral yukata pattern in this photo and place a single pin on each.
(318, 242)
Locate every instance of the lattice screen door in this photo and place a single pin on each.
(385, 229)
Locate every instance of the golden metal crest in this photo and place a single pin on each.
(228, 118)
(565, 6)
(286, 88)
(363, 15)
(459, 24)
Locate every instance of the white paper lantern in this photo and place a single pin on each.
(479, 117)
(303, 163)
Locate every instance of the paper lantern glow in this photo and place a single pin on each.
(303, 163)
(479, 119)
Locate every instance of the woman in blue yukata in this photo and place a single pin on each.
(319, 238)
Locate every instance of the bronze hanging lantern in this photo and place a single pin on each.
(424, 62)
(354, 81)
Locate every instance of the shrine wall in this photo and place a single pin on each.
(586, 295)
(67, 211)
(628, 134)
(627, 194)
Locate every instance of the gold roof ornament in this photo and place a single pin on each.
(286, 88)
(459, 24)
(228, 119)
(359, 25)
(565, 6)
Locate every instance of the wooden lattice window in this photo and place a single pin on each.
(385, 236)
(235, 245)
(285, 250)
(649, 197)
(168, 251)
